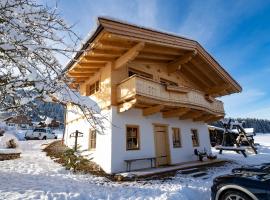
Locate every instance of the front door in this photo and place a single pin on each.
(161, 144)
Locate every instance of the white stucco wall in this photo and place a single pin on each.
(111, 150)
(102, 154)
(147, 143)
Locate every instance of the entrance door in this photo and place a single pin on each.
(161, 144)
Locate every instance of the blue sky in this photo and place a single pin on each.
(236, 33)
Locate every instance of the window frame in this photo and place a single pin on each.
(93, 88)
(138, 137)
(197, 137)
(175, 145)
(92, 140)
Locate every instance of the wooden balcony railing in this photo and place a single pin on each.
(144, 87)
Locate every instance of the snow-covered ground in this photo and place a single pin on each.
(36, 176)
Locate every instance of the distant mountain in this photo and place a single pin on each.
(259, 125)
(43, 110)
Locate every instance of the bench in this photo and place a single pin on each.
(237, 149)
(130, 161)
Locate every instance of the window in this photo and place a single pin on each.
(93, 88)
(176, 138)
(132, 135)
(92, 139)
(194, 137)
(132, 72)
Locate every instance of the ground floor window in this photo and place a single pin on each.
(195, 137)
(176, 138)
(132, 137)
(92, 139)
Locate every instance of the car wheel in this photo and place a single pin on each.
(55, 137)
(44, 138)
(234, 195)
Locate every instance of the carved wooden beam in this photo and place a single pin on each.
(175, 113)
(176, 64)
(152, 110)
(129, 55)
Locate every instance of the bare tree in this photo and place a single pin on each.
(31, 37)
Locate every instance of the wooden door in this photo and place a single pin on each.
(161, 144)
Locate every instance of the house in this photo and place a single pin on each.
(51, 123)
(157, 91)
(18, 122)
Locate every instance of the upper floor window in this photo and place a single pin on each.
(92, 139)
(195, 137)
(132, 137)
(132, 72)
(93, 88)
(176, 138)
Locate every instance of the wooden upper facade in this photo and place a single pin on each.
(130, 66)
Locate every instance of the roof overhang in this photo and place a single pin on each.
(115, 41)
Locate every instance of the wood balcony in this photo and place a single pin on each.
(152, 97)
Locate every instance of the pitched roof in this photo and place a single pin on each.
(131, 32)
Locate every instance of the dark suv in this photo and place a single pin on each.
(245, 183)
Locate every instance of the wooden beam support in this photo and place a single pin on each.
(86, 70)
(162, 50)
(114, 44)
(156, 56)
(202, 69)
(176, 64)
(75, 74)
(204, 117)
(217, 89)
(190, 77)
(195, 74)
(175, 113)
(152, 110)
(98, 58)
(90, 65)
(106, 52)
(129, 55)
(214, 118)
(191, 115)
(126, 106)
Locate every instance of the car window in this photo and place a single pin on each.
(39, 130)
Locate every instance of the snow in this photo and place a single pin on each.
(9, 151)
(36, 176)
(4, 139)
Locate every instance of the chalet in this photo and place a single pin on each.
(157, 90)
(19, 122)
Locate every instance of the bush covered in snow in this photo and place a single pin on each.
(8, 141)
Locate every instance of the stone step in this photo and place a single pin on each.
(189, 171)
